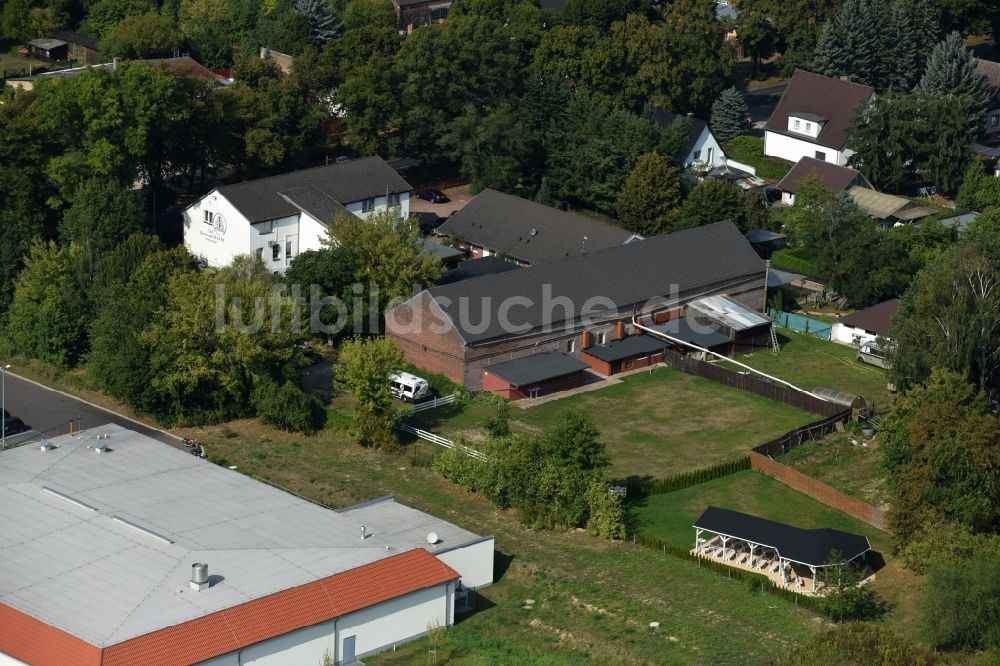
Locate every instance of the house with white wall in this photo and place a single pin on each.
(832, 177)
(813, 118)
(703, 150)
(990, 124)
(277, 217)
(172, 559)
(865, 325)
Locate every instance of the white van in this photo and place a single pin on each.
(872, 355)
(409, 388)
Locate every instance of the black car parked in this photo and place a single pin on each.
(13, 426)
(434, 196)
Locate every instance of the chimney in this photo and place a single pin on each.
(585, 342)
(199, 576)
(114, 64)
(620, 331)
(364, 532)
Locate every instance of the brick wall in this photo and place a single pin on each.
(819, 491)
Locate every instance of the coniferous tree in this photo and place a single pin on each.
(829, 55)
(729, 116)
(324, 26)
(951, 72)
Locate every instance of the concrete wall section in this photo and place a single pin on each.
(850, 335)
(473, 561)
(792, 149)
(819, 491)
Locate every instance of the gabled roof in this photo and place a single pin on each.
(677, 265)
(877, 318)
(836, 100)
(99, 548)
(834, 178)
(312, 201)
(991, 70)
(474, 268)
(186, 63)
(261, 199)
(74, 37)
(529, 231)
(811, 547)
(666, 118)
(628, 347)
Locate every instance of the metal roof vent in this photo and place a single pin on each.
(46, 445)
(532, 231)
(364, 532)
(432, 538)
(199, 576)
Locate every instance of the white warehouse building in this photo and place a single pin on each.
(120, 550)
(277, 217)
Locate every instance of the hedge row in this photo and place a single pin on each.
(753, 581)
(687, 479)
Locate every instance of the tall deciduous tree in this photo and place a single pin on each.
(730, 116)
(364, 368)
(649, 202)
(700, 62)
(146, 36)
(952, 73)
(101, 215)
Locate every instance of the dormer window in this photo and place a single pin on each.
(805, 123)
(797, 123)
(809, 128)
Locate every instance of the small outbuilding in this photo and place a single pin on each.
(535, 376)
(628, 353)
(865, 325)
(48, 49)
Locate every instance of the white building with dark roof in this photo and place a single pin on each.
(278, 217)
(99, 537)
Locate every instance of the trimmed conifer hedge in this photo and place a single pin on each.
(687, 479)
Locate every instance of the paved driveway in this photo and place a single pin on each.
(459, 197)
(762, 103)
(48, 412)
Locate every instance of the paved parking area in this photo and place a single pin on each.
(459, 197)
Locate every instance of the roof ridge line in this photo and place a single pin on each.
(314, 168)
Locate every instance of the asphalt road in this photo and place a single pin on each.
(48, 412)
(761, 103)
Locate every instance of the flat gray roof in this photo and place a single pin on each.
(101, 544)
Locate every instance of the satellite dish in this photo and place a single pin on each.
(432, 537)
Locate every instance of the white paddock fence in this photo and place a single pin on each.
(441, 441)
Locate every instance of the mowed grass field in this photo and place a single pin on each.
(810, 362)
(670, 516)
(594, 599)
(653, 424)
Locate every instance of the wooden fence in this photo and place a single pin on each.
(799, 436)
(441, 441)
(752, 383)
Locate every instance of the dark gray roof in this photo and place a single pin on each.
(633, 345)
(684, 263)
(690, 330)
(960, 221)
(779, 278)
(438, 249)
(474, 268)
(505, 224)
(811, 547)
(877, 318)
(74, 37)
(347, 182)
(836, 100)
(763, 236)
(666, 118)
(538, 368)
(312, 201)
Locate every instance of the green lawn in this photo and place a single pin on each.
(594, 599)
(13, 63)
(809, 362)
(850, 468)
(654, 424)
(750, 150)
(670, 517)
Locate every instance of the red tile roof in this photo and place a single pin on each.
(836, 100)
(39, 644)
(34, 642)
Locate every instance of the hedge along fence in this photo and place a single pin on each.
(753, 581)
(687, 479)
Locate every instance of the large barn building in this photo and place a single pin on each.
(463, 329)
(122, 550)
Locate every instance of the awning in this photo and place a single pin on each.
(47, 44)
(809, 547)
(779, 278)
(728, 312)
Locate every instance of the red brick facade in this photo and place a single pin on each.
(819, 491)
(430, 341)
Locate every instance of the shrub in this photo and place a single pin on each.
(287, 406)
(607, 514)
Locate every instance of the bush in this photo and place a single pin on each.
(858, 643)
(287, 406)
(607, 514)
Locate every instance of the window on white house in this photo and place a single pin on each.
(995, 119)
(697, 155)
(288, 249)
(368, 205)
(571, 346)
(394, 198)
(275, 252)
(260, 253)
(809, 127)
(820, 155)
(797, 124)
(208, 217)
(709, 155)
(265, 227)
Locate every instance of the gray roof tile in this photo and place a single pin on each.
(836, 100)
